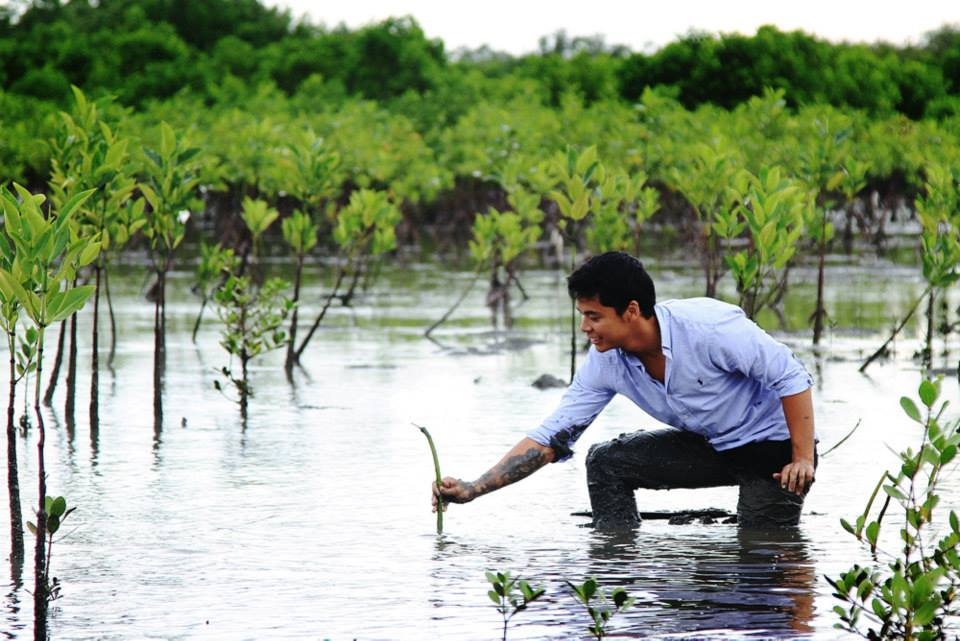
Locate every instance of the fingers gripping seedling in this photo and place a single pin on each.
(436, 469)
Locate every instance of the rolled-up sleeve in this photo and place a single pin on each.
(581, 403)
(743, 347)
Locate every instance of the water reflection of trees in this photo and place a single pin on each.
(731, 581)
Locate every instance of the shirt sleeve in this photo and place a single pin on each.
(739, 345)
(581, 403)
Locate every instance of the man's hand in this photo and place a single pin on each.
(452, 491)
(796, 476)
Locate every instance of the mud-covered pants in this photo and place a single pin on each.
(672, 459)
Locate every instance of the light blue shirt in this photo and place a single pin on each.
(724, 380)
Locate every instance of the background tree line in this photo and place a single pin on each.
(140, 50)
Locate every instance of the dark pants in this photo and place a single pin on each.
(671, 459)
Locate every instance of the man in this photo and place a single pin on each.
(739, 404)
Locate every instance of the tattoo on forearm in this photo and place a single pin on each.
(509, 470)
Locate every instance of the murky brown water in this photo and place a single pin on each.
(313, 521)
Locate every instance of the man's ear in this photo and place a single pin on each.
(633, 309)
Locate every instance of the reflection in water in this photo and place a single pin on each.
(748, 581)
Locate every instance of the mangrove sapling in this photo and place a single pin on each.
(215, 266)
(9, 316)
(300, 233)
(913, 595)
(57, 513)
(600, 604)
(436, 470)
(251, 319)
(506, 597)
(365, 227)
(88, 154)
(938, 211)
(772, 212)
(170, 179)
(48, 256)
(257, 216)
(706, 180)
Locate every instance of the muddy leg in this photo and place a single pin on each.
(659, 459)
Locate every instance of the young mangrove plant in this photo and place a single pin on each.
(170, 179)
(48, 255)
(365, 228)
(88, 154)
(300, 233)
(257, 215)
(57, 513)
(938, 210)
(913, 594)
(215, 265)
(252, 317)
(19, 367)
(772, 212)
(600, 604)
(511, 595)
(436, 470)
(706, 180)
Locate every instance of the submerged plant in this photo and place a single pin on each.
(600, 604)
(511, 595)
(913, 595)
(57, 513)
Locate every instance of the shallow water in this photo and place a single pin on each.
(312, 521)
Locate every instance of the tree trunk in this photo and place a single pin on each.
(40, 578)
(57, 361)
(294, 316)
(158, 351)
(13, 482)
(820, 312)
(323, 312)
(95, 356)
(71, 371)
(113, 318)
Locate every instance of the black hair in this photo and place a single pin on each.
(615, 278)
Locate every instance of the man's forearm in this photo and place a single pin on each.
(798, 411)
(524, 459)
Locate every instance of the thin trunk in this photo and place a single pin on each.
(40, 578)
(55, 372)
(158, 351)
(294, 315)
(573, 321)
(95, 357)
(71, 371)
(456, 304)
(113, 318)
(323, 312)
(244, 387)
(196, 323)
(13, 482)
(820, 311)
(927, 360)
(896, 330)
(348, 297)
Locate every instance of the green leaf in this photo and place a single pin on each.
(928, 393)
(53, 524)
(910, 408)
(58, 506)
(72, 302)
(926, 613)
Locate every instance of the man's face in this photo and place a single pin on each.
(604, 327)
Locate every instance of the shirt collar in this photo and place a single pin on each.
(666, 336)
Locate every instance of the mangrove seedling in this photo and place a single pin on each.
(251, 325)
(511, 595)
(600, 604)
(57, 513)
(912, 596)
(436, 470)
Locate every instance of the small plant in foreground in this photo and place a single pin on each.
(504, 594)
(57, 513)
(913, 596)
(600, 605)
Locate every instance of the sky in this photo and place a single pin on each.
(515, 26)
